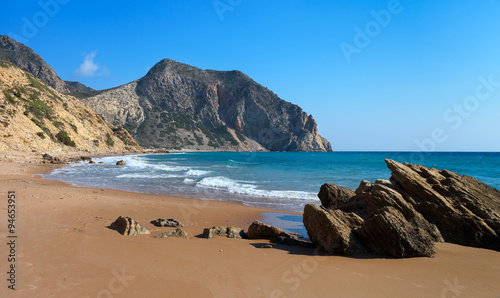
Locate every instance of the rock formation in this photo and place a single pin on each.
(26, 59)
(179, 106)
(128, 226)
(405, 216)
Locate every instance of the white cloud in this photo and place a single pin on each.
(89, 68)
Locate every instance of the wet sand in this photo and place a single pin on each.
(64, 248)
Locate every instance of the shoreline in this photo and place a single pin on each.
(66, 249)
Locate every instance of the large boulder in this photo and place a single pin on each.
(333, 229)
(229, 232)
(333, 196)
(128, 226)
(464, 209)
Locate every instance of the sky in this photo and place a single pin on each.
(376, 75)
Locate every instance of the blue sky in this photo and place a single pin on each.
(376, 75)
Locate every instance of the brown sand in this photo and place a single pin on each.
(64, 249)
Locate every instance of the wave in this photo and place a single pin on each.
(250, 189)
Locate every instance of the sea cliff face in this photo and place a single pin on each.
(179, 106)
(36, 119)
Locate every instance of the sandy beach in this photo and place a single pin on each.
(64, 248)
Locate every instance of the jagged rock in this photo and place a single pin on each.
(260, 230)
(92, 162)
(128, 226)
(333, 229)
(388, 233)
(405, 216)
(120, 163)
(229, 232)
(173, 223)
(465, 210)
(178, 233)
(333, 196)
(51, 159)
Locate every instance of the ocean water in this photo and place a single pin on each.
(283, 181)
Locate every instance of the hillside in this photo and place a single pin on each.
(26, 59)
(180, 106)
(36, 119)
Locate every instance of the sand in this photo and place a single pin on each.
(64, 249)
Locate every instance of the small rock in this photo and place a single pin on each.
(92, 162)
(173, 223)
(229, 232)
(120, 163)
(260, 230)
(128, 226)
(264, 246)
(178, 233)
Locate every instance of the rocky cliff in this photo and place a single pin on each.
(26, 59)
(36, 119)
(179, 106)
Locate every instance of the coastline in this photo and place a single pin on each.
(65, 249)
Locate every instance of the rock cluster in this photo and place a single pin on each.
(229, 232)
(405, 216)
(177, 233)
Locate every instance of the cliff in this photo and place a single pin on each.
(180, 106)
(36, 119)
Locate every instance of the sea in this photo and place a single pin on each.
(281, 181)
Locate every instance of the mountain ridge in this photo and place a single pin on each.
(228, 110)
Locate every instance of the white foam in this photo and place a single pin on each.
(245, 188)
(197, 173)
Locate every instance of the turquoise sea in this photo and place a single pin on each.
(283, 181)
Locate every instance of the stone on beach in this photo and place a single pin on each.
(120, 163)
(173, 223)
(229, 232)
(177, 233)
(128, 226)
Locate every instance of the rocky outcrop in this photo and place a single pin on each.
(179, 106)
(176, 233)
(26, 59)
(465, 210)
(121, 163)
(128, 226)
(229, 232)
(173, 223)
(405, 216)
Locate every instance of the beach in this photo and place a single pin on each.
(64, 248)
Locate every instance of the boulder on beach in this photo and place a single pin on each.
(229, 232)
(128, 226)
(177, 233)
(405, 216)
(120, 163)
(173, 223)
(260, 230)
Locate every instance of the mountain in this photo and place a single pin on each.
(26, 59)
(180, 106)
(36, 119)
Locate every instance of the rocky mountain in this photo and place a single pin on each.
(405, 216)
(26, 59)
(35, 119)
(180, 106)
